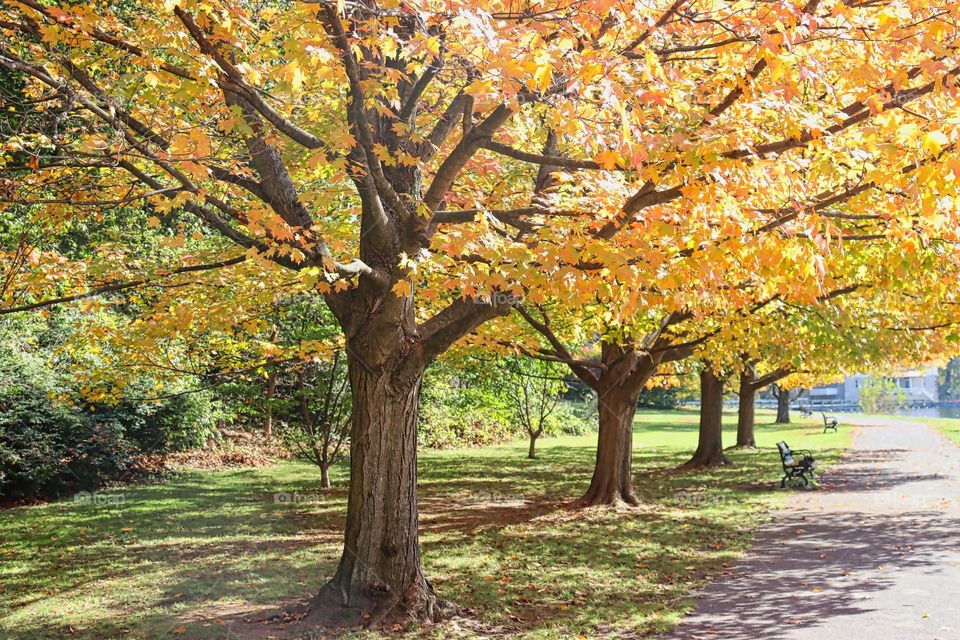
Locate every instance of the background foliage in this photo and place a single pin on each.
(881, 395)
(53, 441)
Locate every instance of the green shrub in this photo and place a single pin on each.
(464, 403)
(881, 395)
(48, 450)
(453, 416)
(53, 443)
(572, 419)
(460, 406)
(176, 423)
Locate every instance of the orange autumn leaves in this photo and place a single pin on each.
(741, 129)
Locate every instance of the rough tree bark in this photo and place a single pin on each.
(380, 572)
(618, 387)
(612, 473)
(746, 412)
(618, 379)
(709, 451)
(380, 567)
(783, 404)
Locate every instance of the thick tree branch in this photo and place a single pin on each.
(358, 111)
(459, 318)
(444, 126)
(770, 378)
(409, 107)
(582, 371)
(232, 80)
(276, 185)
(454, 163)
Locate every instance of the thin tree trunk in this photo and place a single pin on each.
(268, 408)
(783, 406)
(746, 412)
(532, 453)
(271, 389)
(325, 475)
(709, 451)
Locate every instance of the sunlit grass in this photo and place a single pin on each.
(950, 427)
(195, 555)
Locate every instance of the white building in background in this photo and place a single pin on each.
(918, 385)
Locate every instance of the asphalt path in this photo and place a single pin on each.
(873, 553)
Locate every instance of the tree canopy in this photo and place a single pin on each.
(654, 174)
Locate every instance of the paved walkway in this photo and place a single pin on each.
(874, 554)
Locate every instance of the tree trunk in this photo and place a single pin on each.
(746, 413)
(709, 451)
(380, 572)
(325, 475)
(268, 408)
(783, 406)
(532, 453)
(612, 473)
(618, 389)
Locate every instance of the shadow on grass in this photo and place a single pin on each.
(203, 554)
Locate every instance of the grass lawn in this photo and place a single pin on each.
(205, 553)
(949, 427)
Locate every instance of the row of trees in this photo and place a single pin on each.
(611, 189)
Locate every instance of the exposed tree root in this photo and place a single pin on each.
(608, 495)
(418, 605)
(715, 459)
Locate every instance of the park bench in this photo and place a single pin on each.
(797, 465)
(829, 422)
(805, 412)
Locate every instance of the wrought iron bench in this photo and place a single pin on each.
(797, 465)
(829, 422)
